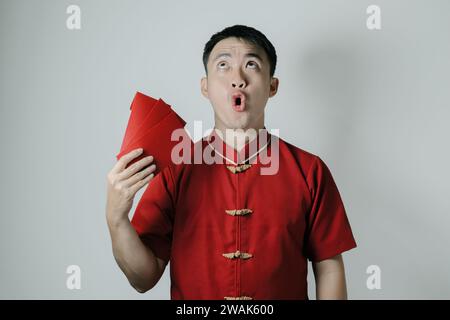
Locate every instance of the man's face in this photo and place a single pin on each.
(238, 84)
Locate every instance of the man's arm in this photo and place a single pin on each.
(138, 262)
(330, 279)
(142, 268)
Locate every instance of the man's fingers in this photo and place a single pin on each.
(139, 176)
(138, 185)
(125, 159)
(135, 167)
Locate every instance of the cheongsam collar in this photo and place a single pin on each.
(247, 154)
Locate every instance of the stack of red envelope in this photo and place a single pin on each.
(150, 127)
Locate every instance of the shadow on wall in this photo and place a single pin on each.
(344, 86)
(334, 78)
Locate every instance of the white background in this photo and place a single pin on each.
(374, 105)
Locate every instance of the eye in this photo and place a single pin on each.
(222, 65)
(252, 64)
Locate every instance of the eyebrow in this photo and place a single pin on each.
(250, 54)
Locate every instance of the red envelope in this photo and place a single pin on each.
(140, 107)
(159, 111)
(150, 127)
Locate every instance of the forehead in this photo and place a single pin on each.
(235, 47)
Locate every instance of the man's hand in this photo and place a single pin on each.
(138, 262)
(124, 183)
(330, 279)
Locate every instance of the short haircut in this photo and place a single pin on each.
(247, 34)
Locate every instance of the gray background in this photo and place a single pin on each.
(374, 105)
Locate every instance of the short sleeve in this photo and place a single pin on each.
(328, 232)
(154, 215)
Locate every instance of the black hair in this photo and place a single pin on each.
(247, 34)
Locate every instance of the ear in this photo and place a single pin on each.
(204, 86)
(274, 82)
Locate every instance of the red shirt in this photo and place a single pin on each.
(232, 233)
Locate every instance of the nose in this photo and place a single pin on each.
(238, 84)
(238, 81)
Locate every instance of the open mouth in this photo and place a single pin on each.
(238, 102)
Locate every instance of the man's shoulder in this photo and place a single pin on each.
(183, 164)
(302, 155)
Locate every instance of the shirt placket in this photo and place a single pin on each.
(238, 241)
(239, 214)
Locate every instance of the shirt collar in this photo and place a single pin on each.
(247, 154)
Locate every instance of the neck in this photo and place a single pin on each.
(238, 137)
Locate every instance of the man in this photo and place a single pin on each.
(229, 231)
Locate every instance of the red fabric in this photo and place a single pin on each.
(297, 215)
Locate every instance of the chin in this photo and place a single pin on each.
(235, 121)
